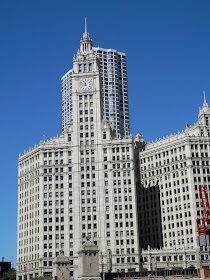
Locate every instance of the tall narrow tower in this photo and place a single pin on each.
(113, 73)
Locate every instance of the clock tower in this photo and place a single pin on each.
(89, 215)
(95, 209)
(86, 87)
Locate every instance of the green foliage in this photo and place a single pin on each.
(9, 275)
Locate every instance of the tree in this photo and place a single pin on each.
(9, 274)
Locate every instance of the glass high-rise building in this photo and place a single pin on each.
(113, 73)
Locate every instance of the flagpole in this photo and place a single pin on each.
(44, 135)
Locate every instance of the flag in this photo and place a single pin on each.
(188, 125)
(44, 134)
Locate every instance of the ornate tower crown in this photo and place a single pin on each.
(205, 108)
(86, 43)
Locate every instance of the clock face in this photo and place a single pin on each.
(85, 84)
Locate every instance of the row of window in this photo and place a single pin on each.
(178, 242)
(118, 150)
(201, 155)
(119, 182)
(57, 178)
(163, 154)
(176, 199)
(169, 226)
(86, 97)
(56, 154)
(118, 166)
(123, 260)
(175, 191)
(178, 233)
(86, 119)
(85, 67)
(86, 134)
(87, 175)
(57, 219)
(201, 146)
(168, 161)
(86, 112)
(85, 105)
(50, 211)
(176, 216)
(29, 161)
(86, 127)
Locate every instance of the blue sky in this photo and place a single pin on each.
(168, 56)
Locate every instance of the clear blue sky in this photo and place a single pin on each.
(168, 57)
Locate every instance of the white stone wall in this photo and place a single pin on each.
(178, 164)
(85, 185)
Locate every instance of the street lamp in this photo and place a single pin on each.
(129, 254)
(41, 268)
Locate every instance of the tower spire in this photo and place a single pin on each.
(86, 43)
(204, 95)
(205, 107)
(85, 25)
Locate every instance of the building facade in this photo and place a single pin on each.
(77, 184)
(171, 170)
(113, 73)
(134, 199)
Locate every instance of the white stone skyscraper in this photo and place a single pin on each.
(171, 170)
(79, 183)
(113, 73)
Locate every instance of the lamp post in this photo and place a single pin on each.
(25, 276)
(185, 256)
(176, 258)
(102, 265)
(129, 253)
(150, 261)
(41, 268)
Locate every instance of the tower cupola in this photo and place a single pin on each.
(205, 109)
(86, 43)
